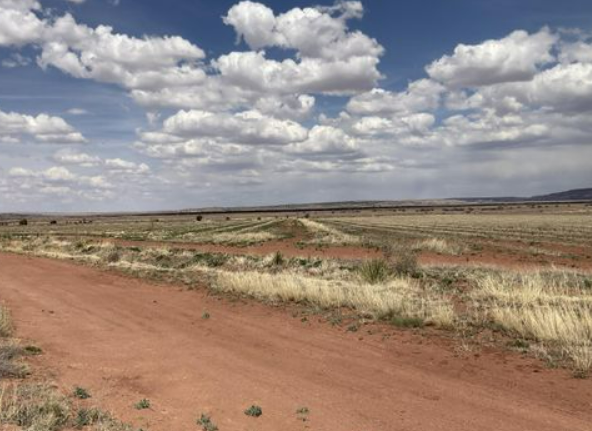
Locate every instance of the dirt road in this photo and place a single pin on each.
(125, 339)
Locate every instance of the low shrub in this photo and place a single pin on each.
(375, 271)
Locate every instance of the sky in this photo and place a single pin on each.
(133, 105)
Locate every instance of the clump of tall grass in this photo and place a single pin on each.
(40, 407)
(397, 296)
(5, 322)
(374, 271)
(554, 308)
(33, 407)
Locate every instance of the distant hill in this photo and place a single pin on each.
(570, 195)
(566, 196)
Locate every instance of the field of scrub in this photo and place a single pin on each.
(421, 272)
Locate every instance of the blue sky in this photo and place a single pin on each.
(318, 101)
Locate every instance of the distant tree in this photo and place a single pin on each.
(53, 222)
(199, 218)
(23, 222)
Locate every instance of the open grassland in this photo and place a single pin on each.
(238, 231)
(468, 282)
(547, 312)
(565, 228)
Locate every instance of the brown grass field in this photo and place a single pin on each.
(465, 317)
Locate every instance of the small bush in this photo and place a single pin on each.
(254, 411)
(406, 322)
(81, 393)
(23, 222)
(143, 404)
(278, 259)
(113, 256)
(206, 423)
(87, 417)
(33, 350)
(374, 271)
(404, 262)
(199, 218)
(302, 413)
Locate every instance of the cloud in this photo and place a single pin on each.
(267, 110)
(326, 141)
(420, 95)
(71, 157)
(515, 57)
(105, 56)
(248, 127)
(312, 32)
(19, 25)
(127, 167)
(112, 165)
(171, 71)
(77, 111)
(16, 60)
(41, 128)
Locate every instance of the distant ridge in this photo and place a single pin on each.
(576, 195)
(570, 195)
(566, 196)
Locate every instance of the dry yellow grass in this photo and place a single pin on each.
(550, 307)
(399, 296)
(439, 245)
(327, 234)
(565, 228)
(5, 322)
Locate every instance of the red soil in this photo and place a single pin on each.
(125, 339)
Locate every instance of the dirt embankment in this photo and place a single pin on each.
(125, 339)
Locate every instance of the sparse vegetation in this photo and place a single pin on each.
(81, 393)
(554, 308)
(375, 271)
(302, 413)
(143, 404)
(278, 259)
(254, 411)
(206, 423)
(544, 311)
(5, 322)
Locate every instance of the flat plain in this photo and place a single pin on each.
(460, 317)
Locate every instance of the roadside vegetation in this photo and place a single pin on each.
(28, 404)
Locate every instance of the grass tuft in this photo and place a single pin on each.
(143, 404)
(254, 411)
(374, 271)
(206, 423)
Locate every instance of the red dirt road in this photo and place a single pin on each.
(125, 339)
